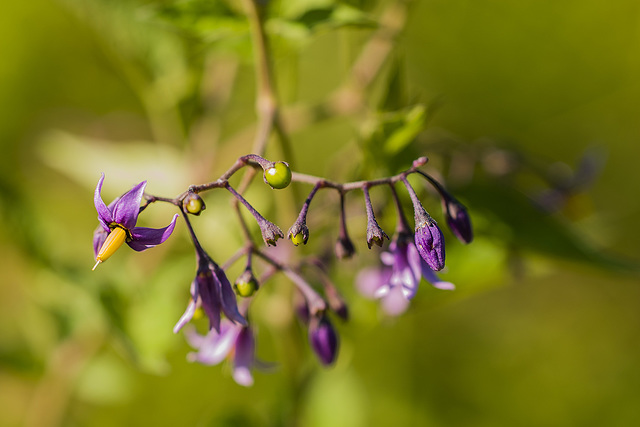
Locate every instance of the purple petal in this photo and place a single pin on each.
(215, 347)
(125, 211)
(209, 293)
(395, 303)
(369, 280)
(145, 238)
(104, 214)
(99, 236)
(244, 358)
(435, 281)
(229, 304)
(186, 317)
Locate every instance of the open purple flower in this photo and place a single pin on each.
(212, 291)
(233, 341)
(397, 282)
(118, 224)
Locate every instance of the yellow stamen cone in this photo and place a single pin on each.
(114, 240)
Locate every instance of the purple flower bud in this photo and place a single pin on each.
(459, 221)
(323, 340)
(344, 248)
(375, 234)
(430, 243)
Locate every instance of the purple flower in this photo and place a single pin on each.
(212, 291)
(459, 221)
(232, 341)
(117, 224)
(397, 282)
(323, 339)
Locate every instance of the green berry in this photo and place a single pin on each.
(278, 176)
(298, 239)
(194, 204)
(246, 288)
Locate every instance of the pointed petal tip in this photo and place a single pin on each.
(94, 267)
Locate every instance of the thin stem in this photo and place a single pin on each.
(259, 218)
(316, 303)
(403, 225)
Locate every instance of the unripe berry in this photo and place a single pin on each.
(278, 176)
(298, 239)
(194, 204)
(246, 285)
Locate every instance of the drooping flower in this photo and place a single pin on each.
(212, 291)
(396, 283)
(118, 224)
(233, 341)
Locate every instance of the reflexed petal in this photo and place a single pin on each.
(435, 281)
(214, 347)
(229, 304)
(145, 238)
(414, 260)
(104, 214)
(244, 358)
(186, 317)
(209, 293)
(99, 236)
(125, 211)
(387, 258)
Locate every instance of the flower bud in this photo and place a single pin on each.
(344, 248)
(193, 204)
(278, 176)
(323, 339)
(459, 221)
(246, 285)
(430, 243)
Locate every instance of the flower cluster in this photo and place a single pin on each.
(413, 254)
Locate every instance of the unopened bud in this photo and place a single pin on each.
(323, 339)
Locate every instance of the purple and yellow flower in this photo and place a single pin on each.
(396, 283)
(118, 224)
(212, 291)
(232, 341)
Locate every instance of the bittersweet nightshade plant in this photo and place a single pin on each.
(410, 257)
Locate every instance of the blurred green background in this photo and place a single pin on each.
(504, 96)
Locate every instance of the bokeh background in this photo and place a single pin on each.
(528, 110)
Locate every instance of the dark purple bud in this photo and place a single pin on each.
(344, 247)
(323, 339)
(430, 243)
(459, 221)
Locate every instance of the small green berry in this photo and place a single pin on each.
(298, 239)
(246, 285)
(194, 204)
(278, 176)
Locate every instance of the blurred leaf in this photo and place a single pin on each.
(124, 163)
(105, 381)
(529, 228)
(406, 130)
